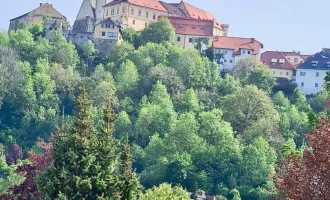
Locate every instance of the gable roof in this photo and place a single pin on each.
(43, 5)
(267, 57)
(237, 43)
(173, 9)
(188, 26)
(198, 13)
(322, 59)
(153, 4)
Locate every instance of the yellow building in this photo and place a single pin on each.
(279, 63)
(134, 14)
(108, 30)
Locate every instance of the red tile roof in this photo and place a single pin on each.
(188, 26)
(153, 4)
(198, 13)
(267, 57)
(236, 43)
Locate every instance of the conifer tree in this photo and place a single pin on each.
(129, 183)
(84, 163)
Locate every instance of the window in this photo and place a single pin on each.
(133, 22)
(302, 73)
(194, 27)
(117, 10)
(281, 73)
(273, 72)
(147, 15)
(181, 25)
(112, 35)
(316, 85)
(107, 13)
(178, 39)
(243, 52)
(154, 16)
(225, 60)
(103, 33)
(288, 59)
(296, 59)
(190, 40)
(123, 10)
(231, 61)
(146, 24)
(302, 84)
(112, 11)
(249, 52)
(202, 28)
(317, 74)
(140, 13)
(132, 11)
(287, 73)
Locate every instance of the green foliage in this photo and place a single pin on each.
(132, 36)
(4, 39)
(246, 106)
(164, 192)
(262, 78)
(258, 162)
(127, 78)
(158, 32)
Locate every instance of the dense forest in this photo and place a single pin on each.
(147, 119)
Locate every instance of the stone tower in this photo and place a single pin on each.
(99, 11)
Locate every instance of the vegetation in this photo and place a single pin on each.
(149, 120)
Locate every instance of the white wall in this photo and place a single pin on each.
(309, 81)
(228, 61)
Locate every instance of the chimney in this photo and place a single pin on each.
(253, 40)
(40, 4)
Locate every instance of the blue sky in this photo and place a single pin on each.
(301, 25)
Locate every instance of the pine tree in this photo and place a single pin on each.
(84, 163)
(129, 183)
(83, 122)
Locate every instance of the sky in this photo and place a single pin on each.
(284, 25)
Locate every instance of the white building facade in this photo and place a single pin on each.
(310, 81)
(232, 49)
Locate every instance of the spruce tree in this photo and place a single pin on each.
(84, 162)
(129, 183)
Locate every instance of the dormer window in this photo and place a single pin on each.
(328, 64)
(314, 63)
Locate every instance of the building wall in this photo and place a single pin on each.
(282, 73)
(218, 32)
(133, 19)
(99, 30)
(187, 41)
(295, 59)
(38, 15)
(307, 83)
(227, 63)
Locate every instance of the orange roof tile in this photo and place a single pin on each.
(198, 13)
(237, 43)
(188, 26)
(153, 4)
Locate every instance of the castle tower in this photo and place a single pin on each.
(99, 11)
